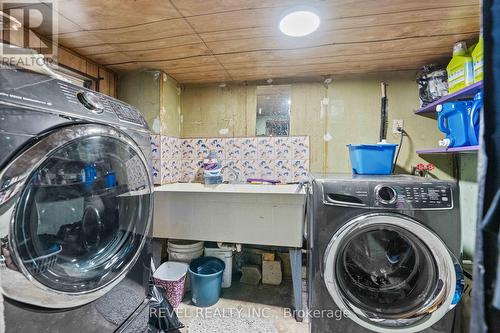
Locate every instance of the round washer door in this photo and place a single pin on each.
(76, 210)
(390, 273)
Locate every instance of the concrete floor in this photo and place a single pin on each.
(268, 305)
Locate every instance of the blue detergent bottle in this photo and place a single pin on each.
(453, 120)
(474, 118)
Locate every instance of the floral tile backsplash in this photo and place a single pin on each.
(278, 158)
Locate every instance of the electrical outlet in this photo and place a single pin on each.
(396, 124)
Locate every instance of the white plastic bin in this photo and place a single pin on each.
(226, 255)
(184, 250)
(171, 276)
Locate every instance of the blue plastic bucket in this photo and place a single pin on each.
(372, 159)
(206, 280)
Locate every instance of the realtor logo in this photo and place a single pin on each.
(28, 24)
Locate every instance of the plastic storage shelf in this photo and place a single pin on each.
(469, 91)
(444, 150)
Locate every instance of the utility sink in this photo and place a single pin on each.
(231, 188)
(234, 213)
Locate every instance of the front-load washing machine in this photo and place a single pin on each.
(384, 254)
(75, 206)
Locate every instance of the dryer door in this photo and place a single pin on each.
(75, 213)
(390, 273)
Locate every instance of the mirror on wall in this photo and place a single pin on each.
(273, 110)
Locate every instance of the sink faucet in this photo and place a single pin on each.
(236, 175)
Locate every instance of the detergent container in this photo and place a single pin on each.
(212, 170)
(477, 60)
(453, 120)
(474, 118)
(460, 69)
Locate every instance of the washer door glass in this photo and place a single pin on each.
(386, 270)
(84, 215)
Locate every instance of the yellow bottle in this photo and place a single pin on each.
(477, 60)
(460, 69)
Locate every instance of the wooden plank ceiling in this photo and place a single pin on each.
(238, 40)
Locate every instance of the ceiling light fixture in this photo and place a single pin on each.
(299, 23)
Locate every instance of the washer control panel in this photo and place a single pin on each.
(419, 194)
(126, 113)
(37, 91)
(416, 196)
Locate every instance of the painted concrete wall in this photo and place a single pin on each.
(170, 107)
(468, 201)
(142, 91)
(212, 109)
(351, 116)
(354, 117)
(157, 96)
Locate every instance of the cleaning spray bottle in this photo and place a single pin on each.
(460, 69)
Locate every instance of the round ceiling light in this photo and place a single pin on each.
(299, 23)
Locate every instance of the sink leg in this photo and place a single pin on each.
(296, 263)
